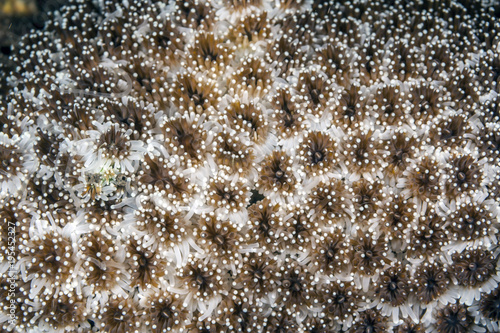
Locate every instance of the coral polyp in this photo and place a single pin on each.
(252, 166)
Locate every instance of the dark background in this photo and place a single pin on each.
(18, 17)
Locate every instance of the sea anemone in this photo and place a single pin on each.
(339, 301)
(431, 281)
(370, 321)
(368, 255)
(473, 267)
(252, 166)
(330, 256)
(163, 312)
(394, 286)
(453, 318)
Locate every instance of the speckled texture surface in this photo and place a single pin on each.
(253, 166)
(14, 25)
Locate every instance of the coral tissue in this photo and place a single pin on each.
(253, 166)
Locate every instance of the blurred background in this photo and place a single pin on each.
(18, 17)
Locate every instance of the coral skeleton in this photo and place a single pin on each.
(252, 166)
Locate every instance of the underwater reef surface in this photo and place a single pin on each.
(17, 18)
(252, 166)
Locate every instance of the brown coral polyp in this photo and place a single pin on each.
(252, 166)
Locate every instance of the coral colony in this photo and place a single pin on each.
(253, 166)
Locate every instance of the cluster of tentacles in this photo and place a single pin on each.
(253, 166)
